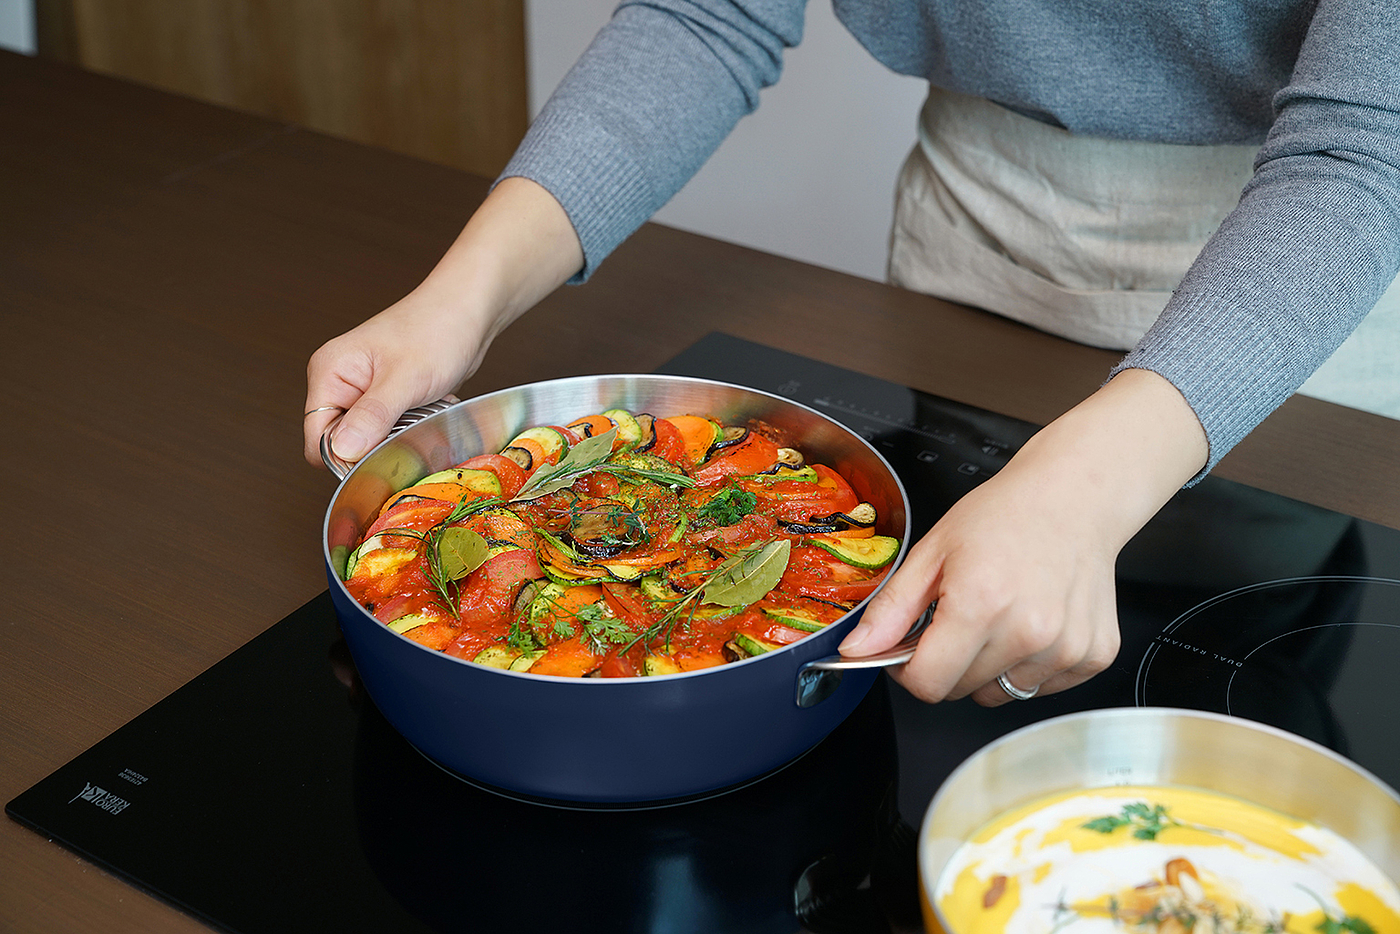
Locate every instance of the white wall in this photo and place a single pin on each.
(17, 26)
(810, 174)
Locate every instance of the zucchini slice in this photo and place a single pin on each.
(378, 562)
(404, 623)
(525, 660)
(795, 619)
(629, 432)
(568, 579)
(622, 572)
(555, 445)
(657, 589)
(478, 481)
(654, 665)
(869, 553)
(746, 646)
(543, 603)
(497, 656)
(805, 474)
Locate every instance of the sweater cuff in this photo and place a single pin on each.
(1224, 363)
(601, 191)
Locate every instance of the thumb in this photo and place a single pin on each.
(367, 423)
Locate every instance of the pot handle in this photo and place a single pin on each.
(341, 467)
(818, 680)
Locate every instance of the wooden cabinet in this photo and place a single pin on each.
(443, 80)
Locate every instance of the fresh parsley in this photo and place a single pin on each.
(601, 629)
(1146, 821)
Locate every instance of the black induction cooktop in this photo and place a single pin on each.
(268, 795)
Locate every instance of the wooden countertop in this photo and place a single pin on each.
(166, 268)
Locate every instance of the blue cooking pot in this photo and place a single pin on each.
(603, 740)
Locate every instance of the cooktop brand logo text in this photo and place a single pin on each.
(102, 798)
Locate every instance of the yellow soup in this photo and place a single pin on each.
(1162, 860)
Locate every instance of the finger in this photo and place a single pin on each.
(1067, 664)
(334, 377)
(1027, 677)
(366, 424)
(946, 650)
(314, 425)
(905, 596)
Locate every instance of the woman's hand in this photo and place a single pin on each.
(518, 247)
(1022, 568)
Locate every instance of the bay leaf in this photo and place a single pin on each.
(581, 458)
(750, 577)
(460, 551)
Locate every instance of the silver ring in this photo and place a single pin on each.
(323, 408)
(1012, 691)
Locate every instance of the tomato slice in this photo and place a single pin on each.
(754, 454)
(616, 664)
(670, 444)
(799, 501)
(489, 592)
(813, 572)
(511, 475)
(419, 515)
(628, 605)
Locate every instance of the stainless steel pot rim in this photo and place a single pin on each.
(1114, 713)
(802, 646)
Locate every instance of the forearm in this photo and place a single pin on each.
(517, 248)
(1115, 459)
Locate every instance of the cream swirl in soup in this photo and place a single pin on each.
(1162, 860)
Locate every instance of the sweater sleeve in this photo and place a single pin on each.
(654, 95)
(1313, 242)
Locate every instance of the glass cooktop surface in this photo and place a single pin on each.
(268, 795)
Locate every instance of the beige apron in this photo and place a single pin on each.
(1085, 237)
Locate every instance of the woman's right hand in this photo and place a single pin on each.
(517, 248)
(413, 352)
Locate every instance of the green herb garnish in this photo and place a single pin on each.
(1340, 923)
(1147, 821)
(739, 580)
(601, 629)
(451, 552)
(591, 456)
(727, 506)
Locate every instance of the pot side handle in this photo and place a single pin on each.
(818, 680)
(341, 467)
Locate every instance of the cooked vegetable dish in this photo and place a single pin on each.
(620, 545)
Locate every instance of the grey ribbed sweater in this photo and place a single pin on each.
(1313, 243)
